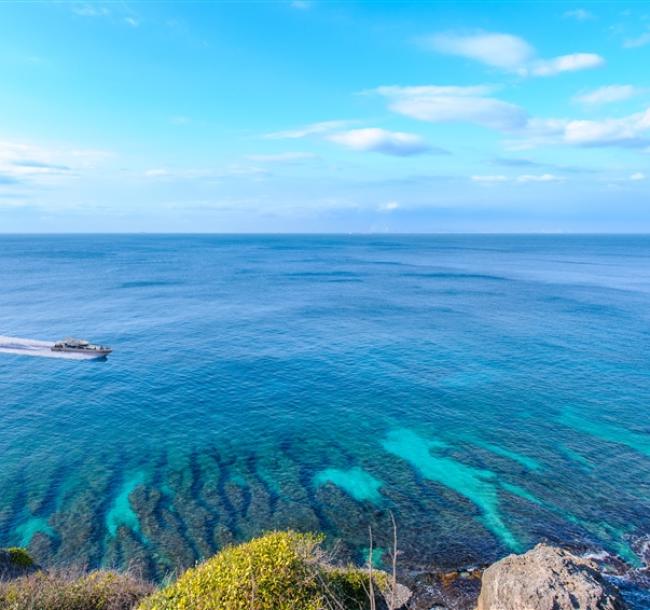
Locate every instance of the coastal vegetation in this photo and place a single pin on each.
(286, 570)
(277, 571)
(73, 590)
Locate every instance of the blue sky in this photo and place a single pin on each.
(324, 116)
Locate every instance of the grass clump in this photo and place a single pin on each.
(278, 571)
(100, 590)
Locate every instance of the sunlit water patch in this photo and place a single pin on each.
(358, 483)
(121, 512)
(477, 485)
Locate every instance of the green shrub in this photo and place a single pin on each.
(279, 571)
(19, 557)
(100, 590)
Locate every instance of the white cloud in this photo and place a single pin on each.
(509, 53)
(579, 14)
(389, 206)
(639, 41)
(443, 103)
(606, 95)
(566, 63)
(489, 179)
(380, 140)
(475, 105)
(540, 178)
(638, 177)
(285, 157)
(629, 131)
(180, 120)
(498, 50)
(134, 23)
(308, 130)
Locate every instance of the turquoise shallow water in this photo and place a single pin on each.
(491, 391)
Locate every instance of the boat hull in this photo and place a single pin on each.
(91, 353)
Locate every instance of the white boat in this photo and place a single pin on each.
(81, 346)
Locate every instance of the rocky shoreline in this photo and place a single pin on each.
(544, 578)
(460, 589)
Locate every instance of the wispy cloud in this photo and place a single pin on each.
(503, 51)
(448, 103)
(628, 131)
(631, 131)
(116, 12)
(638, 177)
(523, 178)
(540, 178)
(579, 14)
(475, 105)
(308, 130)
(284, 157)
(607, 95)
(373, 139)
(28, 162)
(32, 164)
(566, 63)
(86, 9)
(489, 179)
(207, 174)
(301, 5)
(639, 41)
(509, 53)
(520, 162)
(388, 207)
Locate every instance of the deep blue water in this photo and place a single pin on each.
(491, 391)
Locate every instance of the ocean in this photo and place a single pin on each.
(489, 391)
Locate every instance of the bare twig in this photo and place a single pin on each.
(371, 592)
(393, 584)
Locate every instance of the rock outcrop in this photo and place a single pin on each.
(546, 578)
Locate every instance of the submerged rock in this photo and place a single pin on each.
(546, 578)
(444, 590)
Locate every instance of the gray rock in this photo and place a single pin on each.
(546, 578)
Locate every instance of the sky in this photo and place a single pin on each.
(324, 116)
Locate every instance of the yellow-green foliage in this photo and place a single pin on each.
(101, 590)
(20, 557)
(279, 571)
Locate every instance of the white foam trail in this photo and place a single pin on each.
(34, 347)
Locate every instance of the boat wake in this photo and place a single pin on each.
(34, 347)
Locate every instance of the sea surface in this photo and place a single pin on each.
(490, 391)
